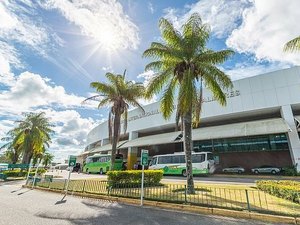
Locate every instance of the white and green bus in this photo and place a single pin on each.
(174, 164)
(101, 163)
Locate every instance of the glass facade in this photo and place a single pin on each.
(271, 142)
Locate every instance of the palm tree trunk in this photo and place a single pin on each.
(115, 139)
(188, 146)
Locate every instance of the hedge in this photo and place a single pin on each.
(22, 173)
(134, 177)
(288, 189)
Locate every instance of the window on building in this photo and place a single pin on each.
(272, 142)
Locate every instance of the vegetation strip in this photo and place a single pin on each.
(289, 190)
(188, 208)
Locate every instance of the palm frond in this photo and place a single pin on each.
(169, 33)
(167, 101)
(156, 83)
(293, 45)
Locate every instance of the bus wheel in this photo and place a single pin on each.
(101, 171)
(184, 173)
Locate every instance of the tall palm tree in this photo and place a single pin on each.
(47, 159)
(118, 94)
(34, 132)
(292, 45)
(184, 64)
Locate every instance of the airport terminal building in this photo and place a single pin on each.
(258, 126)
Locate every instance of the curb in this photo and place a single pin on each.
(257, 176)
(185, 207)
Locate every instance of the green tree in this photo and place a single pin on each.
(47, 159)
(13, 149)
(4, 158)
(34, 132)
(292, 45)
(184, 64)
(118, 94)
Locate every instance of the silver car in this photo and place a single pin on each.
(234, 169)
(266, 169)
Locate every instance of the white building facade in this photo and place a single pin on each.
(258, 126)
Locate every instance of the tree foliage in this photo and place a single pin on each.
(183, 66)
(118, 94)
(30, 138)
(292, 45)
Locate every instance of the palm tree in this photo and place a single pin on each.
(292, 45)
(118, 94)
(34, 134)
(47, 159)
(183, 65)
(13, 149)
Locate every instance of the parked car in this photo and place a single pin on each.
(234, 169)
(266, 169)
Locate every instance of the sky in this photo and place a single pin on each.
(51, 50)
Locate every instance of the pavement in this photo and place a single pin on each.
(21, 206)
(213, 179)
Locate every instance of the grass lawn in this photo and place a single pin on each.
(213, 195)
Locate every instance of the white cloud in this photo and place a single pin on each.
(266, 27)
(29, 91)
(20, 27)
(150, 7)
(147, 76)
(222, 15)
(102, 20)
(107, 69)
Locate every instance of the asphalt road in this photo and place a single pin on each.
(21, 206)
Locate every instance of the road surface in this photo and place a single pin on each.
(31, 207)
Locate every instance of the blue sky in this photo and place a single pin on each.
(51, 50)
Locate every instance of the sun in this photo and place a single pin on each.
(108, 39)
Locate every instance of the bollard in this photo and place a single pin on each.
(185, 194)
(247, 198)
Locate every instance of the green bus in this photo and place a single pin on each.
(101, 163)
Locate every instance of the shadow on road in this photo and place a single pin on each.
(63, 200)
(21, 193)
(16, 190)
(106, 212)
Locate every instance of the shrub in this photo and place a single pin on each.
(134, 177)
(22, 173)
(290, 171)
(288, 189)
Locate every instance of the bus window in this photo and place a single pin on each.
(119, 156)
(165, 160)
(153, 161)
(210, 156)
(182, 159)
(176, 159)
(95, 159)
(198, 158)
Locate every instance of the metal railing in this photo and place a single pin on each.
(251, 199)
